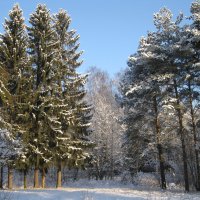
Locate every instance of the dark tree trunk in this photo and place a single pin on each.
(76, 174)
(159, 146)
(10, 178)
(195, 137)
(36, 173)
(25, 178)
(43, 178)
(1, 179)
(59, 175)
(162, 168)
(181, 132)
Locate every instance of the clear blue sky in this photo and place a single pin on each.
(109, 29)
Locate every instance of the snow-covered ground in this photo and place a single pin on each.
(97, 190)
(96, 194)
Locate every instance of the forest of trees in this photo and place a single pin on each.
(160, 95)
(44, 118)
(145, 119)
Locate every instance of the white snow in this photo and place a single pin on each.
(98, 190)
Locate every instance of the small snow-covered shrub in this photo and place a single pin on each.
(172, 186)
(172, 178)
(127, 177)
(146, 179)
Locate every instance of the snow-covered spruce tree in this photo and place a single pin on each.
(23, 120)
(5, 100)
(45, 101)
(13, 60)
(73, 141)
(107, 131)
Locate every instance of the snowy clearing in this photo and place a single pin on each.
(95, 194)
(98, 190)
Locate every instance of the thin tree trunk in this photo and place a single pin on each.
(59, 175)
(184, 155)
(1, 179)
(195, 137)
(112, 159)
(43, 178)
(10, 178)
(36, 173)
(25, 178)
(159, 146)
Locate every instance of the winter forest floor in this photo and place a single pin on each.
(97, 190)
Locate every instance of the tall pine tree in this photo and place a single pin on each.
(13, 60)
(45, 124)
(72, 142)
